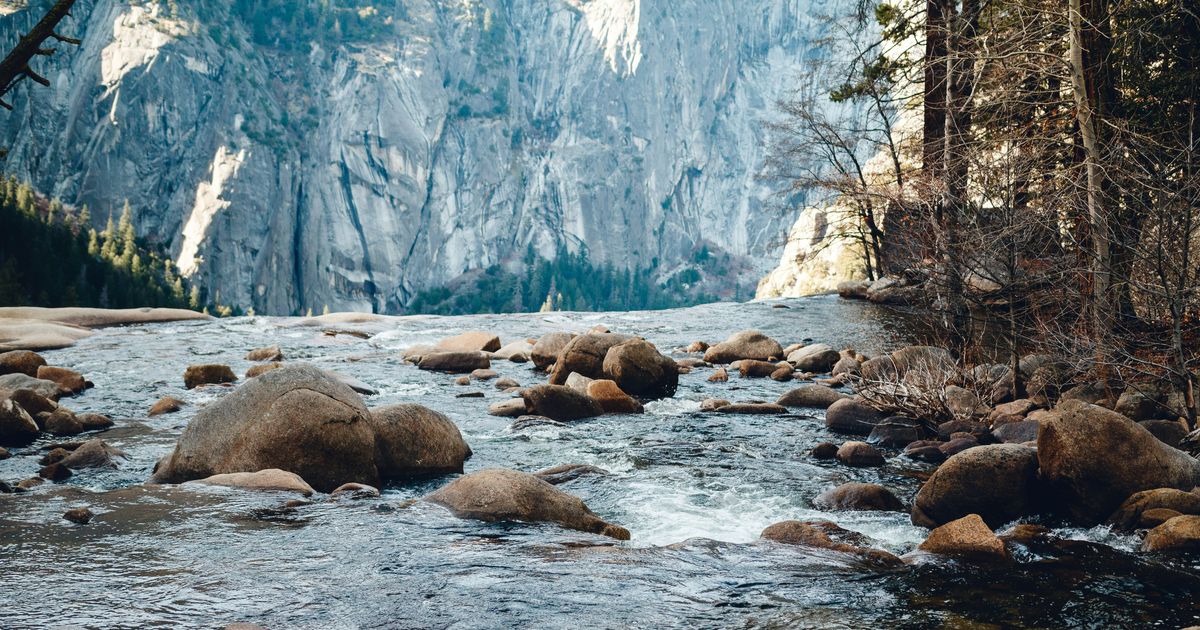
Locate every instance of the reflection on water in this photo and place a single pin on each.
(694, 489)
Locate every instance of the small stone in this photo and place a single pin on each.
(462, 381)
(355, 491)
(270, 353)
(469, 395)
(966, 537)
(262, 368)
(859, 455)
(782, 374)
(197, 375)
(506, 383)
(713, 404)
(82, 515)
(825, 450)
(166, 404)
(720, 376)
(484, 374)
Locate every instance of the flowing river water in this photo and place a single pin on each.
(695, 490)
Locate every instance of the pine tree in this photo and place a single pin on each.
(108, 250)
(128, 242)
(194, 299)
(85, 217)
(93, 242)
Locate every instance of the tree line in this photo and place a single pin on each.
(1023, 170)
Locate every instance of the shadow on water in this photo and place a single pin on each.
(694, 489)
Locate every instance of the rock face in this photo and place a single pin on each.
(1092, 459)
(997, 482)
(296, 418)
(412, 441)
(400, 180)
(507, 495)
(747, 344)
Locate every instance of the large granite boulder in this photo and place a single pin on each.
(998, 482)
(747, 344)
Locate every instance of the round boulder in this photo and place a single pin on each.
(997, 482)
(507, 495)
(852, 417)
(559, 402)
(17, 428)
(546, 350)
(968, 537)
(584, 355)
(413, 441)
(859, 455)
(21, 362)
(197, 375)
(818, 358)
(747, 344)
(638, 368)
(859, 496)
(811, 395)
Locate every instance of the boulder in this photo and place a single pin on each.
(783, 374)
(517, 351)
(1128, 516)
(859, 455)
(928, 451)
(197, 375)
(17, 428)
(931, 361)
(1017, 432)
(1169, 432)
(825, 450)
(454, 362)
(267, 479)
(262, 368)
(95, 453)
(978, 430)
(578, 382)
(752, 408)
(512, 408)
(897, 432)
(1092, 459)
(560, 403)
(413, 441)
(811, 396)
(696, 347)
(355, 491)
(997, 482)
(508, 495)
(638, 368)
(1142, 404)
(1011, 411)
(965, 404)
(1092, 392)
(556, 475)
(751, 368)
(968, 537)
(1181, 533)
(852, 417)
(859, 496)
(818, 358)
(271, 353)
(484, 374)
(585, 356)
(1048, 381)
(166, 404)
(505, 383)
(958, 444)
(612, 399)
(747, 344)
(721, 375)
(21, 362)
(32, 402)
(296, 418)
(94, 421)
(11, 383)
(80, 516)
(62, 421)
(55, 472)
(853, 289)
(713, 404)
(826, 535)
(473, 341)
(548, 347)
(848, 366)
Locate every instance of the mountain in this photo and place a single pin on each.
(301, 154)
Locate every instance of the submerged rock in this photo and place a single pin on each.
(859, 496)
(1092, 459)
(826, 535)
(81, 516)
(355, 491)
(752, 408)
(508, 495)
(267, 479)
(998, 483)
(556, 475)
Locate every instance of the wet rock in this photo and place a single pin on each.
(81, 516)
(516, 351)
(4, 454)
(508, 408)
(267, 479)
(413, 354)
(17, 428)
(1181, 533)
(94, 453)
(851, 417)
(548, 347)
(1169, 432)
(750, 368)
(533, 422)
(826, 535)
(929, 451)
(506, 383)
(1129, 515)
(811, 396)
(242, 626)
(1017, 432)
(469, 395)
(560, 403)
(557, 475)
(859, 496)
(454, 362)
(1156, 516)
(355, 491)
(1092, 459)
(638, 368)
(262, 368)
(968, 537)
(817, 358)
(297, 418)
(978, 430)
(484, 375)
(271, 353)
(612, 399)
(62, 421)
(825, 450)
(508, 495)
(783, 374)
(997, 482)
(585, 355)
(692, 363)
(859, 455)
(747, 344)
(474, 341)
(54, 472)
(1025, 533)
(54, 456)
(166, 404)
(713, 404)
(10, 383)
(197, 375)
(413, 441)
(21, 362)
(721, 375)
(752, 408)
(958, 445)
(897, 432)
(32, 402)
(462, 381)
(94, 421)
(696, 346)
(28, 484)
